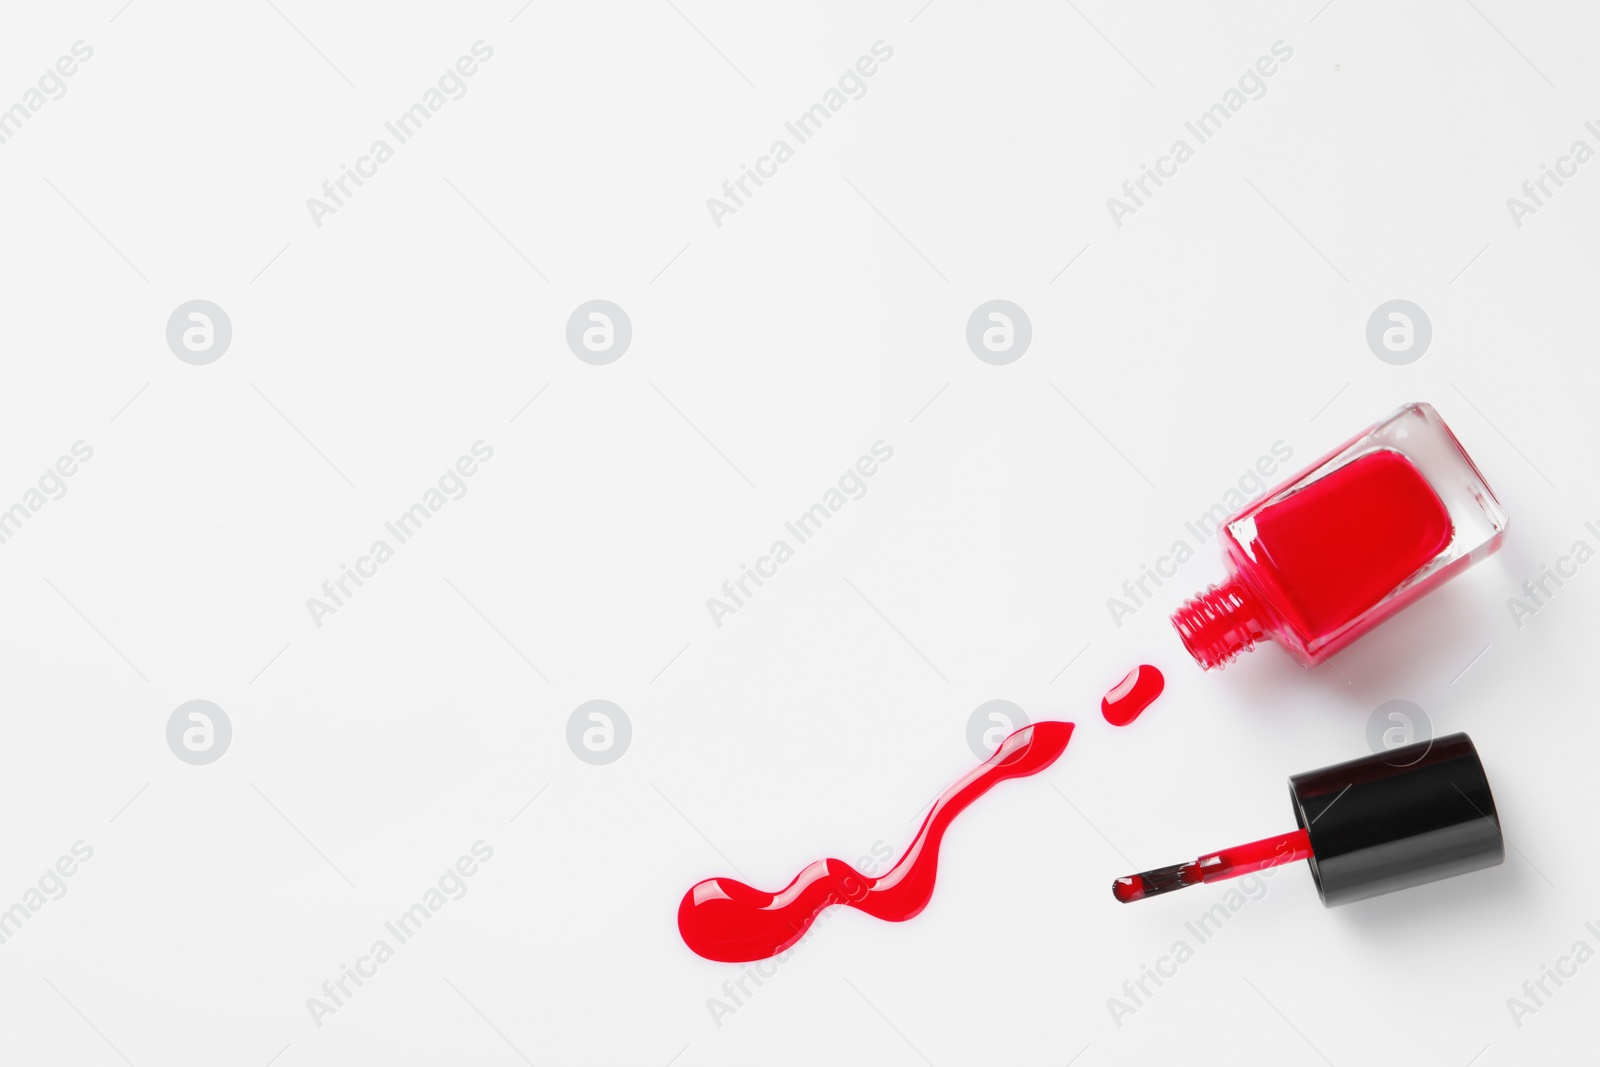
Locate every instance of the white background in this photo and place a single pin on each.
(828, 313)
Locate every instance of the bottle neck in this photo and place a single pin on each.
(1218, 624)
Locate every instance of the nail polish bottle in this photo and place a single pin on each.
(1335, 550)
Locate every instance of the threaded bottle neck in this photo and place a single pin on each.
(1218, 624)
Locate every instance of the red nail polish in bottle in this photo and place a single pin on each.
(1335, 550)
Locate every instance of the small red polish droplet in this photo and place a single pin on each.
(1132, 695)
(1129, 889)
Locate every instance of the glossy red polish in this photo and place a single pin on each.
(1334, 551)
(725, 919)
(1137, 691)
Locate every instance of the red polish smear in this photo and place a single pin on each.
(723, 919)
(1132, 695)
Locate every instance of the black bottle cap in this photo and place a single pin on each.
(1397, 819)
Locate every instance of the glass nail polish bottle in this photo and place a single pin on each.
(1326, 556)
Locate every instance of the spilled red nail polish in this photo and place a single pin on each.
(726, 920)
(1132, 695)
